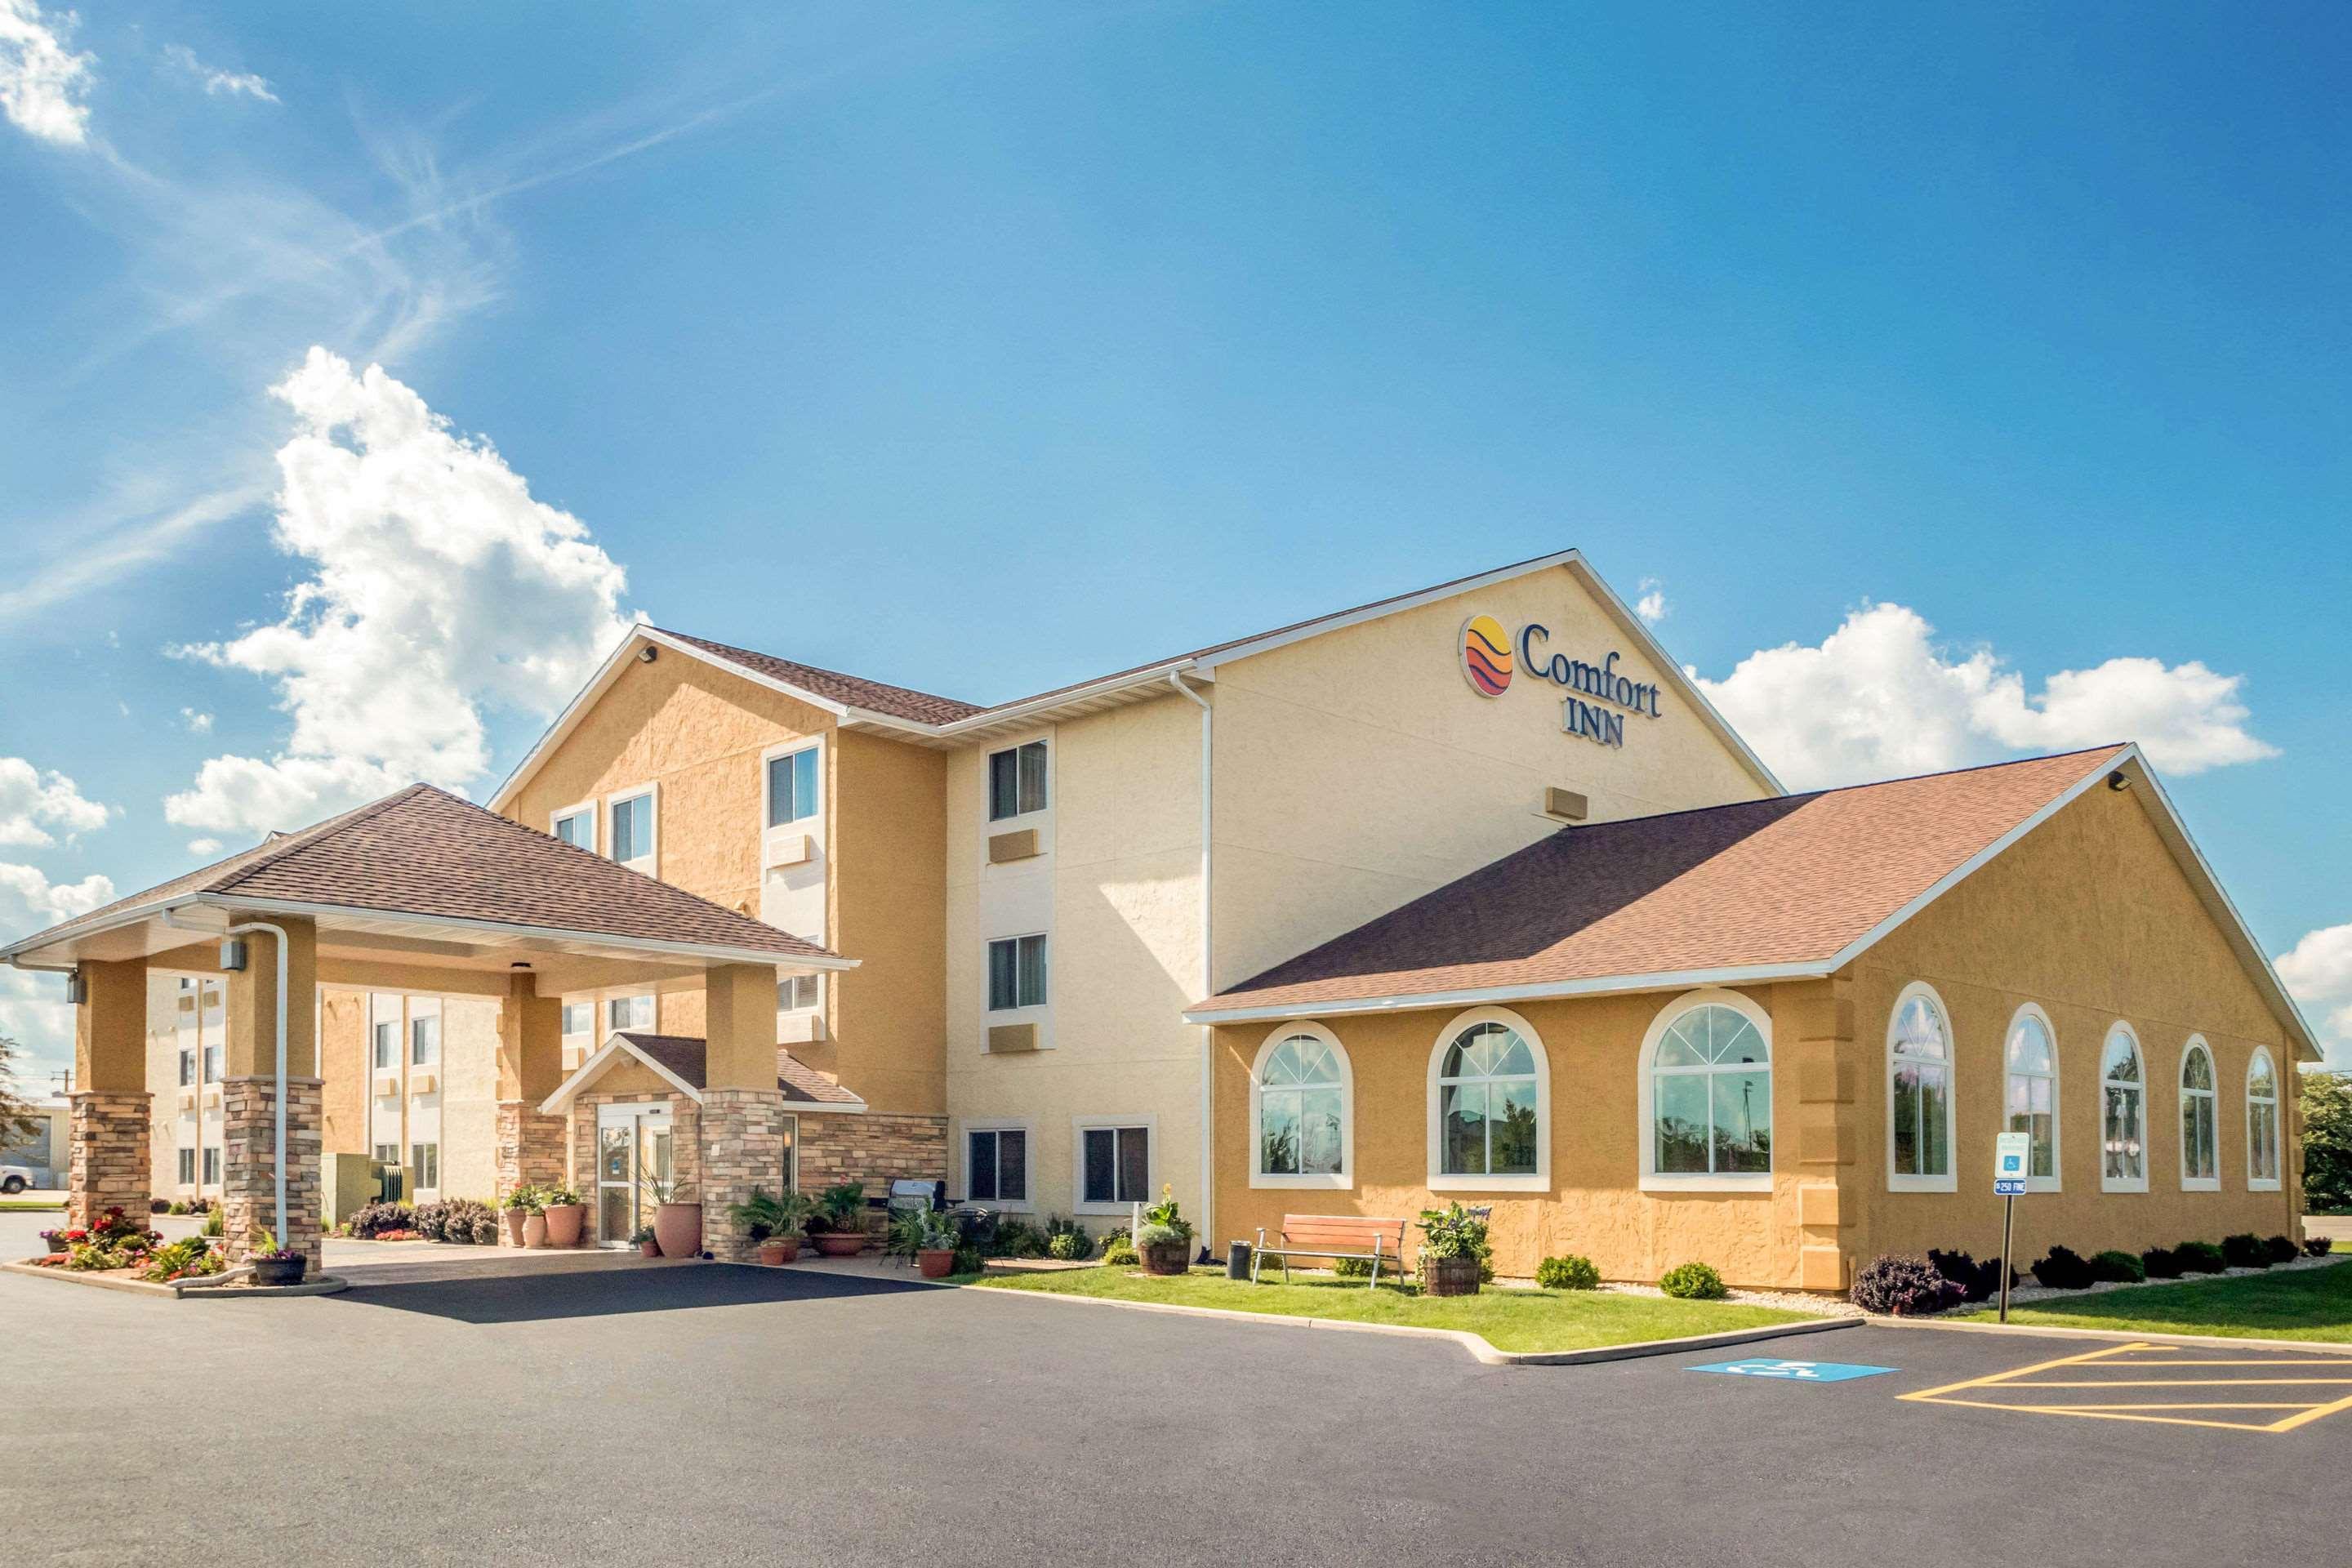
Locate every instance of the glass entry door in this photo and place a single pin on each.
(633, 1168)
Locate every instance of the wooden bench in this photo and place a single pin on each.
(1374, 1241)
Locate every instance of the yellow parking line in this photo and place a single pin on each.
(2021, 1372)
(2299, 1404)
(2191, 1383)
(2292, 1422)
(2256, 1361)
(2108, 1414)
(2021, 1379)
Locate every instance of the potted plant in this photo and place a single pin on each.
(59, 1240)
(565, 1215)
(678, 1224)
(517, 1211)
(838, 1226)
(641, 1238)
(1455, 1251)
(934, 1251)
(273, 1264)
(1165, 1241)
(774, 1222)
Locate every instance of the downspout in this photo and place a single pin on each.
(277, 1161)
(1208, 961)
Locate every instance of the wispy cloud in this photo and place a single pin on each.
(219, 83)
(101, 549)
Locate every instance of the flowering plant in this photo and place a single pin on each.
(267, 1250)
(1166, 1214)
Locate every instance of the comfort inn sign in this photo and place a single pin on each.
(1490, 655)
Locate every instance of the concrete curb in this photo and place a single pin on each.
(2044, 1331)
(324, 1285)
(1476, 1344)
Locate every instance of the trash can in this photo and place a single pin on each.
(1237, 1260)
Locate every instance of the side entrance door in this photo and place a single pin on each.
(633, 1147)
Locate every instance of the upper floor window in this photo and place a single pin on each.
(2201, 1120)
(188, 1068)
(2123, 1114)
(629, 1012)
(1016, 781)
(576, 827)
(633, 831)
(1920, 1093)
(791, 787)
(579, 1017)
(2031, 1095)
(798, 993)
(2261, 1122)
(424, 1040)
(1016, 972)
(386, 1035)
(1488, 1087)
(216, 1064)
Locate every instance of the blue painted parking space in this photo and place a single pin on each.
(1793, 1371)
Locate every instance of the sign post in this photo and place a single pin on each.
(2011, 1153)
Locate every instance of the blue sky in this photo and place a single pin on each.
(982, 348)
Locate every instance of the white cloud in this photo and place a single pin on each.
(1880, 697)
(219, 82)
(441, 591)
(2318, 970)
(34, 1014)
(1651, 605)
(41, 80)
(204, 846)
(49, 902)
(33, 803)
(197, 723)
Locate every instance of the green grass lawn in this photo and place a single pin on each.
(27, 1205)
(2307, 1304)
(1508, 1319)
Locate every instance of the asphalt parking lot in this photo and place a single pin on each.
(713, 1415)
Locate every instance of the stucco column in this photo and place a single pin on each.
(106, 1160)
(249, 1092)
(530, 1143)
(743, 1130)
(1828, 1131)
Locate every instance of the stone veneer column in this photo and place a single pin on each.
(249, 1167)
(108, 1158)
(530, 1143)
(532, 1151)
(743, 1147)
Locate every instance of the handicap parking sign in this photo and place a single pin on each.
(1794, 1370)
(2011, 1151)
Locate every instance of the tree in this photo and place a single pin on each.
(2326, 1141)
(17, 1122)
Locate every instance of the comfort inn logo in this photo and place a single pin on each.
(1485, 654)
(1490, 653)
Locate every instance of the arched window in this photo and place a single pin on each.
(2123, 1114)
(1920, 1093)
(1707, 1094)
(2261, 1122)
(2031, 1094)
(2201, 1120)
(1489, 1105)
(1300, 1110)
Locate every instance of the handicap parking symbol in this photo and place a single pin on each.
(1794, 1370)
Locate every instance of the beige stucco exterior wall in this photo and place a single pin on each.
(162, 1084)
(469, 1097)
(342, 1056)
(889, 897)
(2089, 917)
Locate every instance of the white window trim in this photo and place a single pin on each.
(1344, 1179)
(2123, 1183)
(1439, 1181)
(767, 784)
(2181, 1092)
(965, 1128)
(1656, 1181)
(1950, 1181)
(556, 818)
(1079, 1127)
(1027, 1011)
(2056, 1181)
(992, 823)
(650, 864)
(2278, 1120)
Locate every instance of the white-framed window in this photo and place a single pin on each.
(576, 826)
(2030, 1093)
(1489, 1105)
(215, 1063)
(211, 1165)
(579, 1019)
(1301, 1101)
(1919, 1063)
(1113, 1164)
(424, 1159)
(387, 1154)
(2123, 1113)
(2201, 1120)
(800, 993)
(384, 1049)
(1706, 1095)
(1016, 972)
(1016, 781)
(633, 1012)
(188, 1067)
(2261, 1122)
(187, 1167)
(996, 1164)
(425, 1039)
(633, 822)
(791, 787)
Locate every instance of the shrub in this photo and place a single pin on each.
(432, 1221)
(213, 1225)
(2064, 1269)
(1167, 1213)
(2245, 1251)
(469, 1222)
(1121, 1254)
(1352, 1268)
(181, 1259)
(1070, 1246)
(1905, 1286)
(177, 1208)
(1014, 1238)
(2318, 1245)
(1693, 1283)
(2200, 1258)
(1572, 1272)
(2161, 1263)
(158, 1205)
(2114, 1268)
(967, 1261)
(2282, 1248)
(1158, 1235)
(372, 1220)
(1978, 1281)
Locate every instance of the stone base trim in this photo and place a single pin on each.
(873, 1148)
(743, 1148)
(106, 1166)
(249, 1173)
(532, 1151)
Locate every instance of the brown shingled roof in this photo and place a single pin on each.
(856, 691)
(423, 851)
(1785, 881)
(685, 1058)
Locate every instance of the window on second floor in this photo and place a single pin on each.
(188, 1068)
(577, 826)
(630, 1011)
(1016, 972)
(215, 1063)
(798, 993)
(1016, 781)
(424, 1040)
(579, 1017)
(632, 832)
(387, 1042)
(791, 787)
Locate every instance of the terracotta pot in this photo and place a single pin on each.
(1449, 1276)
(936, 1262)
(278, 1271)
(678, 1228)
(512, 1219)
(534, 1230)
(564, 1222)
(839, 1243)
(776, 1253)
(649, 1249)
(1167, 1258)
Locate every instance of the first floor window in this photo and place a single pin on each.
(1302, 1109)
(2122, 1101)
(997, 1166)
(212, 1163)
(387, 1154)
(1016, 972)
(2262, 1120)
(1117, 1165)
(1486, 1104)
(424, 1159)
(2201, 1120)
(629, 1013)
(1711, 1095)
(1919, 1082)
(1016, 781)
(187, 1167)
(2032, 1096)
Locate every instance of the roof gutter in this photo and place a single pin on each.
(1477, 996)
